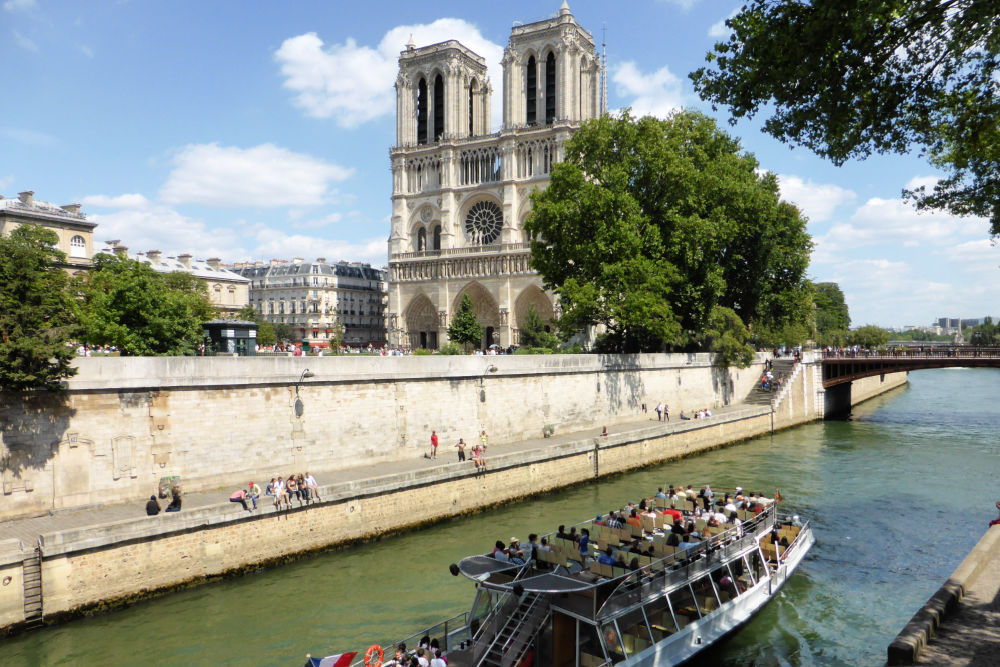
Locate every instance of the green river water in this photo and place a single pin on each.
(898, 495)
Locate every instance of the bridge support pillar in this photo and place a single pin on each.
(837, 401)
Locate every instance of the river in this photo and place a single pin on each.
(898, 495)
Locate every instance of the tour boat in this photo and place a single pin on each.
(557, 609)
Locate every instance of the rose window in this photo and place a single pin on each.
(483, 223)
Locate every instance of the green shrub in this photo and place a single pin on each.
(450, 348)
(422, 352)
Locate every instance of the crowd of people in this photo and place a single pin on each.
(298, 487)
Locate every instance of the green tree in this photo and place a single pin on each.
(649, 226)
(336, 337)
(141, 312)
(464, 328)
(850, 78)
(869, 336)
(265, 331)
(284, 333)
(36, 312)
(533, 333)
(987, 333)
(833, 318)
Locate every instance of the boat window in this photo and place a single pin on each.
(685, 610)
(635, 632)
(591, 652)
(612, 643)
(757, 565)
(704, 594)
(725, 584)
(661, 620)
(481, 607)
(744, 574)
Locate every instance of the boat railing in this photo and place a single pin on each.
(654, 578)
(453, 632)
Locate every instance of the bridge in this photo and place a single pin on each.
(840, 367)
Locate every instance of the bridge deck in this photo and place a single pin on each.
(840, 367)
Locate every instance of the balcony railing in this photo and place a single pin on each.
(493, 249)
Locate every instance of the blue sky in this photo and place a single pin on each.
(252, 130)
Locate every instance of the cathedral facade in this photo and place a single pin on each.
(460, 193)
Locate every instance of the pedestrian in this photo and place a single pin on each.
(240, 496)
(461, 450)
(253, 492)
(152, 506)
(666, 412)
(659, 411)
(175, 501)
(434, 444)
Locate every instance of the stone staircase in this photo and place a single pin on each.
(758, 396)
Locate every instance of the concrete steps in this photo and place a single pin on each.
(779, 367)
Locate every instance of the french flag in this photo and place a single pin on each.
(339, 660)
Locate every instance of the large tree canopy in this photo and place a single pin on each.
(833, 318)
(651, 227)
(141, 312)
(36, 312)
(847, 78)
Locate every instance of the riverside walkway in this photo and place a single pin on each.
(334, 483)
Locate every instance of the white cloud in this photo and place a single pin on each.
(683, 4)
(927, 182)
(816, 200)
(27, 137)
(24, 42)
(720, 30)
(897, 222)
(126, 201)
(86, 50)
(18, 5)
(264, 176)
(656, 94)
(279, 243)
(353, 83)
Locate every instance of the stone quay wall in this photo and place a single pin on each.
(126, 423)
(109, 564)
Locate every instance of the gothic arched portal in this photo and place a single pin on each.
(422, 323)
(533, 296)
(484, 305)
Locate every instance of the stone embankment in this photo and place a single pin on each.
(960, 623)
(83, 558)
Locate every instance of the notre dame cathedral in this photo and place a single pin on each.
(460, 193)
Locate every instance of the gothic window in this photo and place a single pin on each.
(550, 88)
(531, 92)
(77, 247)
(422, 111)
(483, 223)
(472, 105)
(421, 240)
(437, 238)
(438, 107)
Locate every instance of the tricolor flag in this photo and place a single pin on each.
(339, 660)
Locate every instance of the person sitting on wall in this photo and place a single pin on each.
(240, 496)
(253, 492)
(175, 501)
(152, 506)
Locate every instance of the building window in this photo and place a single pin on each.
(531, 92)
(421, 239)
(438, 107)
(422, 111)
(550, 88)
(77, 247)
(436, 240)
(483, 223)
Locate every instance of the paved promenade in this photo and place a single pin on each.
(972, 635)
(27, 530)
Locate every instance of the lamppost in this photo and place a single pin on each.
(299, 406)
(490, 368)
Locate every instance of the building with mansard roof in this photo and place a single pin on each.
(313, 297)
(76, 234)
(460, 194)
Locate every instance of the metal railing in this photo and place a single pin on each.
(494, 249)
(952, 352)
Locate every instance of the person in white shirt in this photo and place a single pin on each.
(312, 486)
(437, 661)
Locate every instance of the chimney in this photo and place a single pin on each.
(26, 197)
(154, 256)
(275, 262)
(321, 260)
(215, 263)
(185, 260)
(120, 250)
(296, 260)
(72, 209)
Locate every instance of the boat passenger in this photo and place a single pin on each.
(584, 545)
(633, 520)
(675, 539)
(425, 642)
(633, 565)
(530, 548)
(661, 494)
(599, 520)
(421, 658)
(437, 661)
(613, 520)
(500, 553)
(514, 552)
(607, 558)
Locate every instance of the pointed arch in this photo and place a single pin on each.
(550, 88)
(533, 296)
(484, 305)
(421, 321)
(531, 92)
(422, 111)
(438, 107)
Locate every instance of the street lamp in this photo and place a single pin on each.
(305, 374)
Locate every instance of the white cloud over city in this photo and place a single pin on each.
(352, 83)
(655, 93)
(817, 201)
(264, 176)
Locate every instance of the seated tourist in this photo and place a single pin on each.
(500, 552)
(675, 538)
(634, 520)
(599, 520)
(607, 558)
(529, 549)
(514, 552)
(613, 520)
(661, 494)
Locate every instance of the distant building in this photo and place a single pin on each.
(228, 291)
(313, 297)
(76, 235)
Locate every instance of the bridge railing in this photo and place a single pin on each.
(953, 352)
